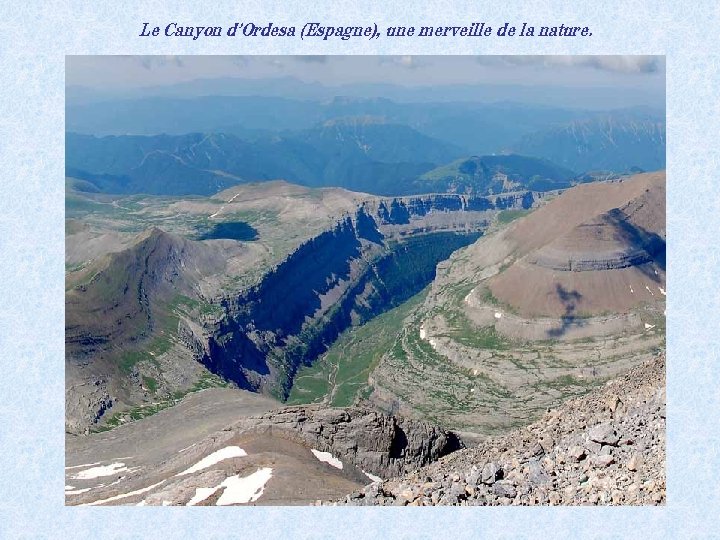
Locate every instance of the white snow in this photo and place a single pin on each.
(186, 448)
(141, 503)
(631, 290)
(167, 503)
(662, 291)
(124, 495)
(76, 491)
(84, 465)
(201, 494)
(216, 457)
(223, 206)
(69, 487)
(372, 477)
(247, 489)
(472, 390)
(422, 332)
(648, 290)
(328, 458)
(103, 470)
(433, 343)
(649, 326)
(467, 296)
(498, 315)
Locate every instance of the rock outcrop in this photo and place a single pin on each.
(607, 447)
(383, 445)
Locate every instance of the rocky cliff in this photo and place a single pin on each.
(367, 263)
(383, 445)
(138, 309)
(607, 447)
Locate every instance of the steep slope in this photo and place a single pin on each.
(611, 261)
(125, 312)
(141, 316)
(294, 455)
(605, 448)
(541, 310)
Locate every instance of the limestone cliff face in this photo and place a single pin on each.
(382, 445)
(367, 263)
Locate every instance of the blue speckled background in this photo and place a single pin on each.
(36, 36)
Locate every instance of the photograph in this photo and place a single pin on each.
(365, 280)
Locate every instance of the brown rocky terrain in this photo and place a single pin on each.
(607, 447)
(604, 260)
(150, 317)
(227, 444)
(535, 312)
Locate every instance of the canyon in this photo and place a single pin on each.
(133, 314)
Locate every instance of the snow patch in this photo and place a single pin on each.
(124, 495)
(631, 290)
(649, 326)
(433, 343)
(422, 332)
(662, 291)
(76, 491)
(201, 494)
(216, 457)
(247, 489)
(648, 290)
(327, 457)
(103, 470)
(83, 465)
(96, 463)
(372, 477)
(498, 315)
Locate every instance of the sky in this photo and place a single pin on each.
(595, 82)
(102, 72)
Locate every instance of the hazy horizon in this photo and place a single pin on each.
(571, 81)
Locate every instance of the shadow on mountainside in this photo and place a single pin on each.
(637, 237)
(569, 319)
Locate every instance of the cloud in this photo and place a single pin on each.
(613, 63)
(407, 61)
(158, 61)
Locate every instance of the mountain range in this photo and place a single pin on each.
(385, 296)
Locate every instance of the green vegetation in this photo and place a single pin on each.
(159, 345)
(417, 360)
(506, 216)
(341, 374)
(185, 304)
(466, 333)
(150, 383)
(206, 380)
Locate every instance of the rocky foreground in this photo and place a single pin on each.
(607, 447)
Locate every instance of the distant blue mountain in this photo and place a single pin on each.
(617, 142)
(358, 155)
